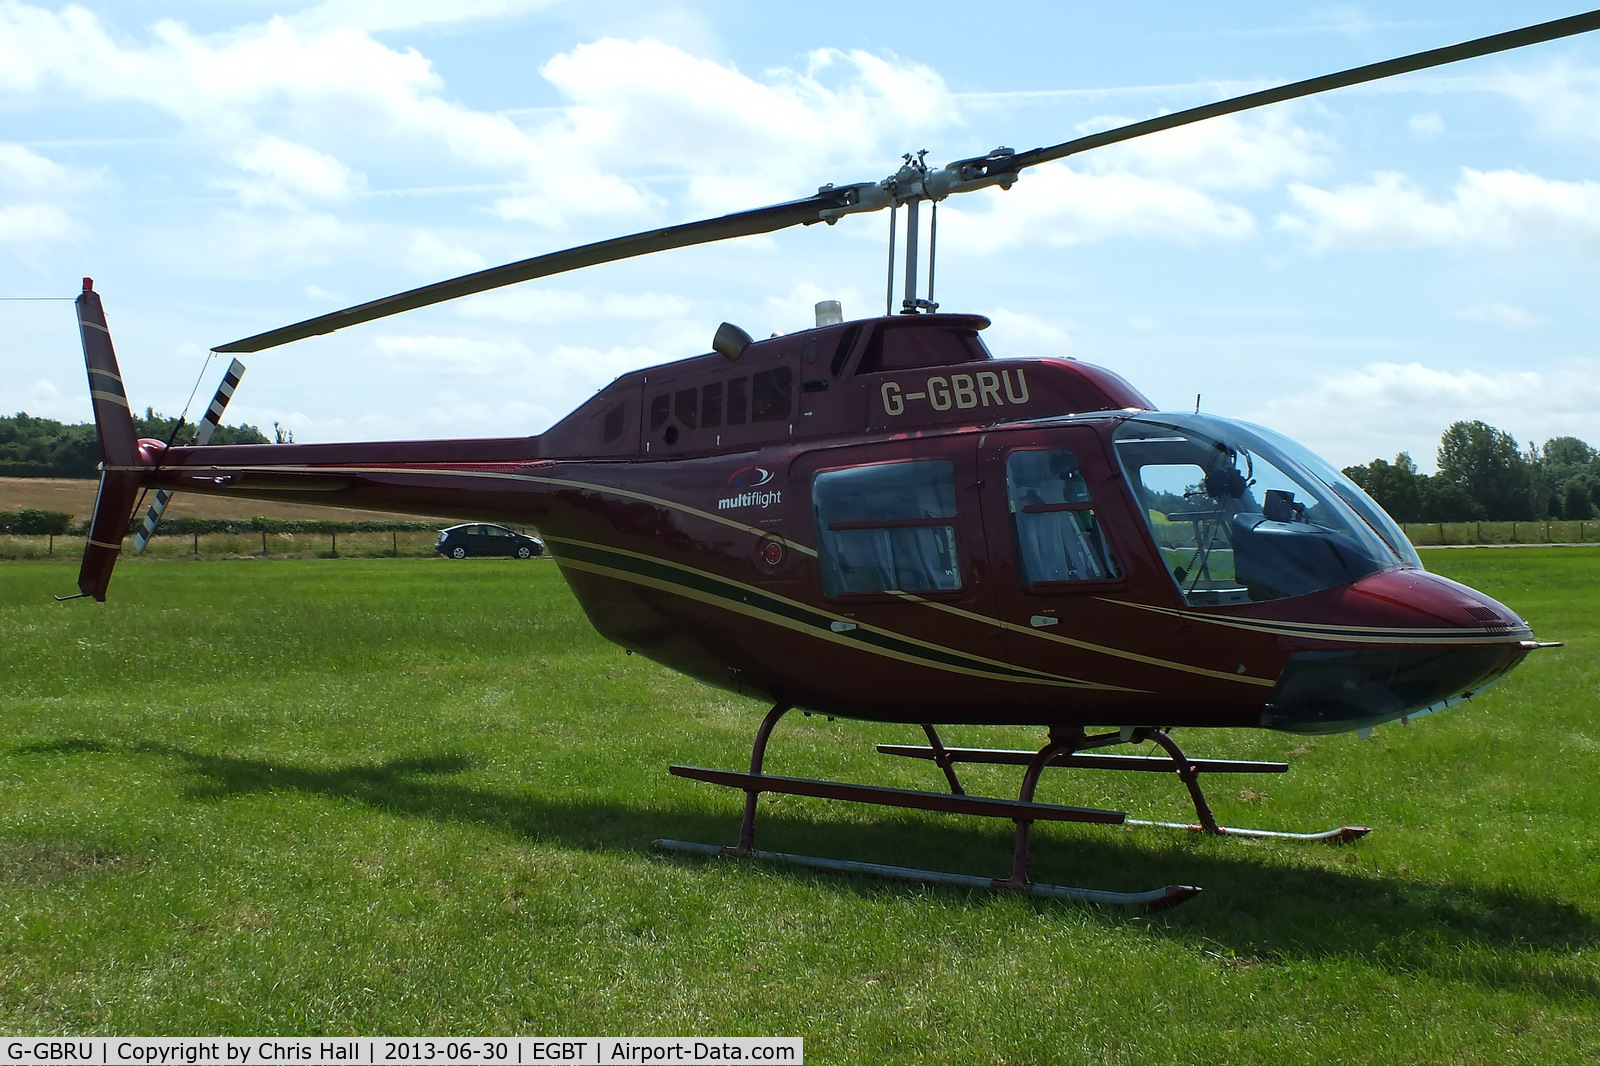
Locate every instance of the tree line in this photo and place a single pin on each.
(43, 447)
(1485, 475)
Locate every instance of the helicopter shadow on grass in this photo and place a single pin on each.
(1261, 905)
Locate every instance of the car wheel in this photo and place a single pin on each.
(458, 552)
(523, 552)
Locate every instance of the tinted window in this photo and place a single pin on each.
(847, 344)
(711, 406)
(660, 407)
(887, 528)
(738, 393)
(769, 394)
(906, 347)
(1057, 535)
(684, 405)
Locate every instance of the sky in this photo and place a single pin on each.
(1356, 271)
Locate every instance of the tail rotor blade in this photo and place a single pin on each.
(202, 436)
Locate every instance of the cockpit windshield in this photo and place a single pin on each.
(1242, 515)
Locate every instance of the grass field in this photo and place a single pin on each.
(404, 796)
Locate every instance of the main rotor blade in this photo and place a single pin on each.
(1434, 57)
(738, 224)
(830, 203)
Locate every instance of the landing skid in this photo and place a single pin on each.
(1065, 749)
(1154, 900)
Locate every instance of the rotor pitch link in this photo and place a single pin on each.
(1157, 899)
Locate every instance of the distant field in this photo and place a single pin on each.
(76, 497)
(403, 796)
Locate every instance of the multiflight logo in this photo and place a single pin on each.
(751, 477)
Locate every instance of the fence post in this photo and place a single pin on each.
(1480, 532)
(197, 545)
(263, 544)
(394, 536)
(335, 538)
(1441, 532)
(1513, 532)
(51, 548)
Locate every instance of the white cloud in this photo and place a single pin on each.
(34, 222)
(288, 174)
(1056, 205)
(536, 305)
(1503, 315)
(433, 257)
(1561, 99)
(454, 355)
(1377, 410)
(375, 16)
(739, 141)
(241, 241)
(23, 168)
(1019, 333)
(1501, 208)
(1224, 153)
(1427, 126)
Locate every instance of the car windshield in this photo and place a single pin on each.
(1242, 515)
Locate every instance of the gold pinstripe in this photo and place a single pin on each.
(1100, 649)
(752, 611)
(96, 394)
(1333, 632)
(501, 476)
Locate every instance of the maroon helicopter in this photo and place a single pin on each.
(879, 520)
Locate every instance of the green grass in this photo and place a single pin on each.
(409, 796)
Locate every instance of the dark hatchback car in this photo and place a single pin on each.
(482, 538)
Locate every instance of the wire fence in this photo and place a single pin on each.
(366, 545)
(1554, 531)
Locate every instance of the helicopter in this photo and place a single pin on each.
(878, 519)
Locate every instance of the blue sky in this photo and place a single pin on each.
(1356, 271)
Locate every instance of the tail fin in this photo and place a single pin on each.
(121, 469)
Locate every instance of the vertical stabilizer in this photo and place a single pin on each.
(121, 470)
(119, 446)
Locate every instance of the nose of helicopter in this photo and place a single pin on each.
(1412, 642)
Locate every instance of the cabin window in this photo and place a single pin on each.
(1243, 516)
(711, 406)
(1052, 519)
(847, 344)
(738, 400)
(887, 528)
(684, 404)
(660, 408)
(907, 347)
(770, 394)
(614, 423)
